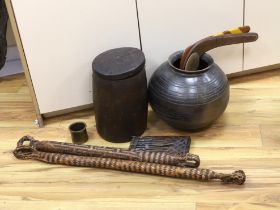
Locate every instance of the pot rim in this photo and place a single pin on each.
(176, 55)
(84, 126)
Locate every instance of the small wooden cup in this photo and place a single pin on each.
(78, 132)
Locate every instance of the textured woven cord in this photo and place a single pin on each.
(189, 160)
(27, 152)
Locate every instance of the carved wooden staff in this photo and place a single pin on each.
(28, 152)
(190, 160)
(189, 50)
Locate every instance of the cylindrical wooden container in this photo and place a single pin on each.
(120, 94)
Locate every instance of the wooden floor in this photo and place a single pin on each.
(246, 137)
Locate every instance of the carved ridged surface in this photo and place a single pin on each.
(173, 145)
(117, 164)
(189, 160)
(26, 152)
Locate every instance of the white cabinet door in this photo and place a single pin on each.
(264, 18)
(170, 25)
(61, 38)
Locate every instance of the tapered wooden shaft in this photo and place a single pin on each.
(190, 160)
(188, 51)
(27, 152)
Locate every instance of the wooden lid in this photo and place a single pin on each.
(119, 63)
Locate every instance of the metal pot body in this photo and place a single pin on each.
(189, 100)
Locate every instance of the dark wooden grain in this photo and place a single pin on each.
(189, 50)
(27, 152)
(212, 42)
(120, 94)
(188, 160)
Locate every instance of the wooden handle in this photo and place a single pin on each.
(27, 152)
(188, 160)
(210, 43)
(187, 51)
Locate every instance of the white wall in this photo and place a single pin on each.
(171, 25)
(61, 38)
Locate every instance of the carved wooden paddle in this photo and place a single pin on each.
(193, 59)
(210, 43)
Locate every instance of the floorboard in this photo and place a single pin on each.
(246, 137)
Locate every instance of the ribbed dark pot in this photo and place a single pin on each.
(189, 100)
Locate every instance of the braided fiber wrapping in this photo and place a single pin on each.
(189, 160)
(27, 152)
